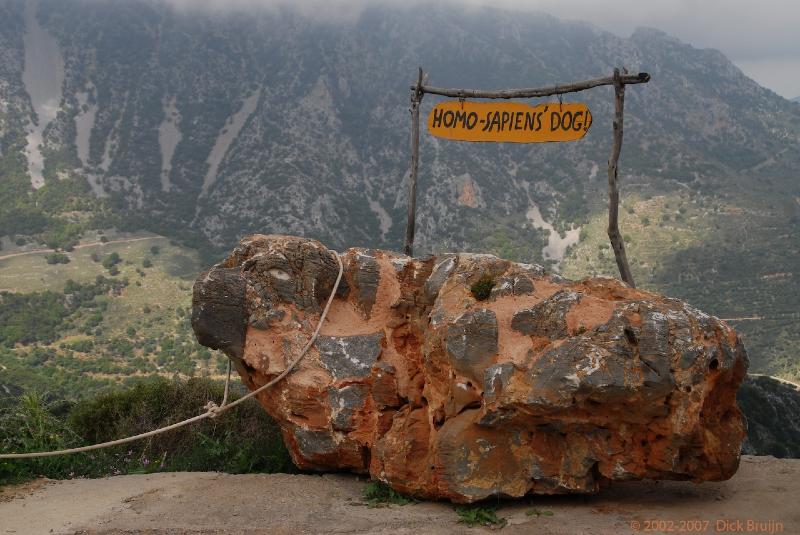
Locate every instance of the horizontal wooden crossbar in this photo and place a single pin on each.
(641, 78)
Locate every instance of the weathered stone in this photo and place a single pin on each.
(366, 276)
(472, 342)
(219, 314)
(262, 322)
(549, 386)
(440, 273)
(344, 402)
(349, 356)
(513, 285)
(548, 318)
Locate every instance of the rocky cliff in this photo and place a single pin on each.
(465, 376)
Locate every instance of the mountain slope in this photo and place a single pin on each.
(772, 409)
(209, 127)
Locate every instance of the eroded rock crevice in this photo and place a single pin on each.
(544, 386)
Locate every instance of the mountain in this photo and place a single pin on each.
(796, 99)
(204, 127)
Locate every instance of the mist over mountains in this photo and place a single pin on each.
(205, 127)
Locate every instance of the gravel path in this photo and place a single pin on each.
(764, 490)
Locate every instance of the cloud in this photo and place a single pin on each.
(761, 37)
(324, 10)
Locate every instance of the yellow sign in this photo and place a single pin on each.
(509, 122)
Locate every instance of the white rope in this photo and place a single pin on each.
(212, 409)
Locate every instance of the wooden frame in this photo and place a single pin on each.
(619, 81)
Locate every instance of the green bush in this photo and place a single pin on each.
(31, 425)
(245, 439)
(111, 260)
(56, 258)
(27, 318)
(81, 346)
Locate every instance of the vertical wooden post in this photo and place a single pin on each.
(416, 98)
(617, 243)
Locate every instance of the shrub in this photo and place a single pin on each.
(30, 425)
(244, 439)
(56, 258)
(27, 318)
(111, 260)
(482, 289)
(81, 346)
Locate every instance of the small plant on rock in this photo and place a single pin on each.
(482, 289)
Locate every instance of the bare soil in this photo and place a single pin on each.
(765, 490)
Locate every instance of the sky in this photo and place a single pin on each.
(762, 37)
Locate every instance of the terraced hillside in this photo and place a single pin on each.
(116, 311)
(730, 260)
(205, 127)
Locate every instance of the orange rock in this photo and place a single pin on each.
(547, 386)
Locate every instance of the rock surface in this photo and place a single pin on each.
(548, 386)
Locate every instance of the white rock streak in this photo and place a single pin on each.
(169, 135)
(84, 122)
(226, 137)
(43, 77)
(556, 245)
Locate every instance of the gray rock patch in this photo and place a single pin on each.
(349, 356)
(472, 342)
(548, 318)
(344, 402)
(314, 442)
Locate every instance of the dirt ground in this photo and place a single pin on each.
(763, 497)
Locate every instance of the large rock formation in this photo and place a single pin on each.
(544, 386)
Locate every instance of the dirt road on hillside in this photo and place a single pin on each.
(82, 246)
(765, 490)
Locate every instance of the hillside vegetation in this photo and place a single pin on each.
(205, 128)
(244, 440)
(118, 310)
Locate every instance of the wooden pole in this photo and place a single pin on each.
(416, 98)
(641, 78)
(617, 243)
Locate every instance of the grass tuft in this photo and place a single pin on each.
(482, 289)
(472, 515)
(379, 494)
